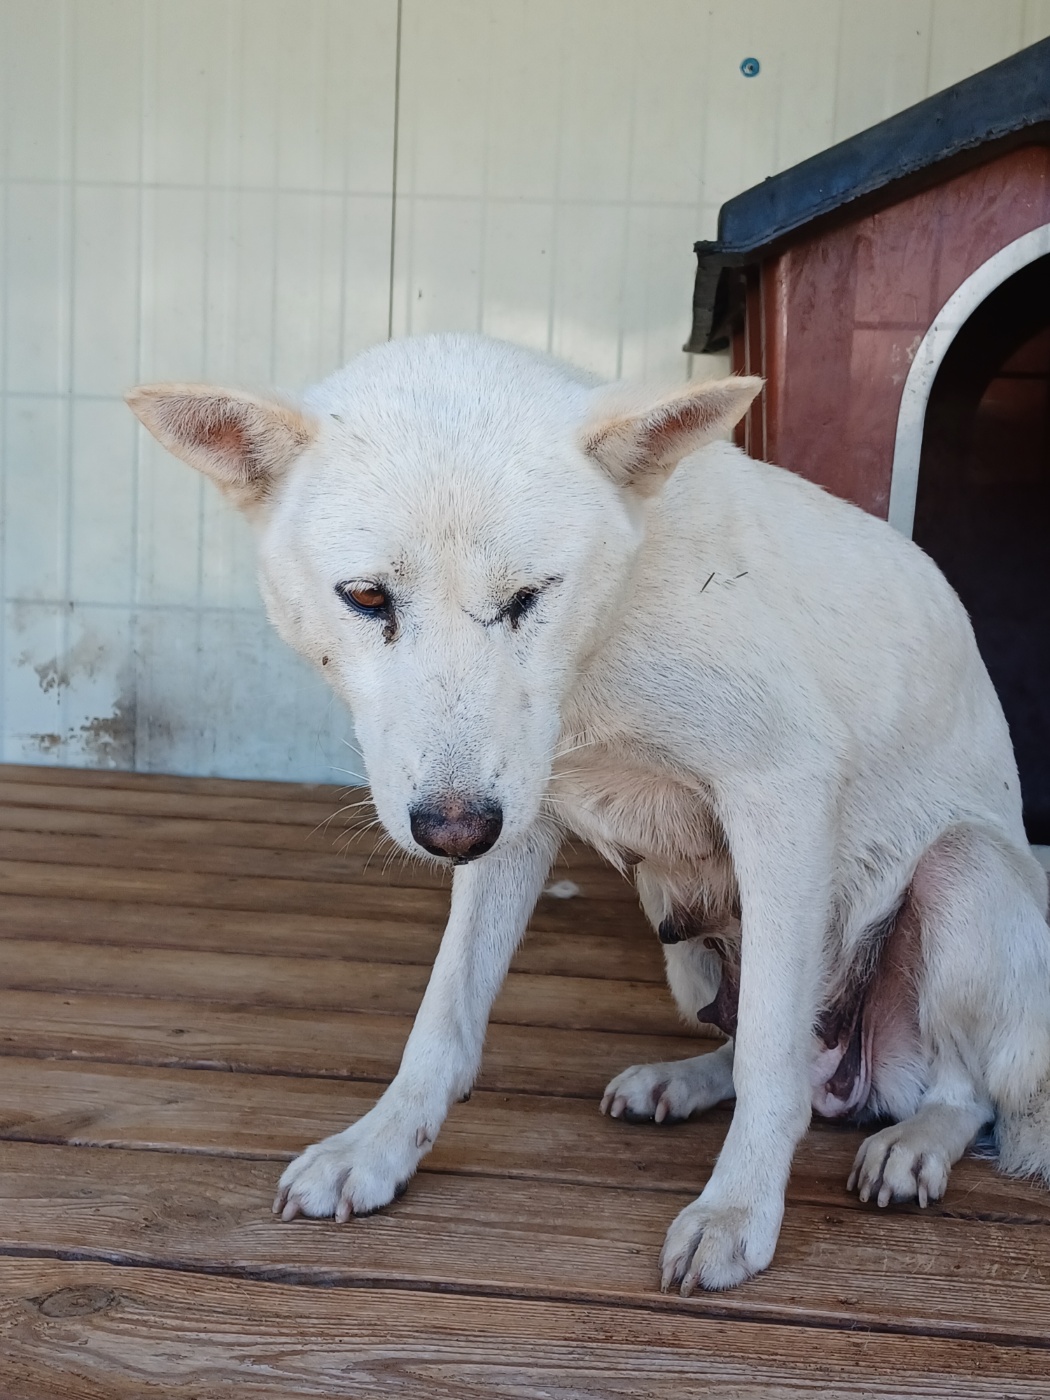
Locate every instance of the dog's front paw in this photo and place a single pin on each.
(668, 1092)
(900, 1164)
(717, 1247)
(353, 1173)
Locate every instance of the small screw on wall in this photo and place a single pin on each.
(750, 67)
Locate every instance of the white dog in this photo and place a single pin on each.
(559, 607)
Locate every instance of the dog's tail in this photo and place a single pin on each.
(1024, 1137)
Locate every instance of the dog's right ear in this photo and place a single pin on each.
(242, 442)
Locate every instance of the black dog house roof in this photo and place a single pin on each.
(1008, 104)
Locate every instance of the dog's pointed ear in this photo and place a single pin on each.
(242, 442)
(639, 447)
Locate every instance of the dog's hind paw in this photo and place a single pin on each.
(717, 1247)
(898, 1165)
(669, 1092)
(355, 1172)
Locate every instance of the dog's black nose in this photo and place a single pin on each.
(456, 826)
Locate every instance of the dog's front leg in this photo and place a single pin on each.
(783, 865)
(366, 1166)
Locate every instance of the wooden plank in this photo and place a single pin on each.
(134, 886)
(147, 799)
(48, 775)
(554, 945)
(269, 1116)
(88, 838)
(96, 851)
(525, 1239)
(339, 1045)
(336, 807)
(590, 1003)
(559, 1139)
(352, 867)
(327, 837)
(292, 837)
(93, 1331)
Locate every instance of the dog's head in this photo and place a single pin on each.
(446, 528)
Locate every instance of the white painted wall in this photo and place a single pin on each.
(210, 189)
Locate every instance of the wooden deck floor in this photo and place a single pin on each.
(196, 982)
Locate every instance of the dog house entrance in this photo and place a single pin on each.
(983, 506)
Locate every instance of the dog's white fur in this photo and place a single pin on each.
(766, 699)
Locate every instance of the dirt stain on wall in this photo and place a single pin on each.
(105, 741)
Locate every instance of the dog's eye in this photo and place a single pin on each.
(519, 605)
(365, 597)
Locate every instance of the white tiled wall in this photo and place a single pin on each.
(250, 190)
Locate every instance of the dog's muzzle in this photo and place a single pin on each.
(456, 827)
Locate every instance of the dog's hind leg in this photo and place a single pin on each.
(981, 988)
(910, 1161)
(671, 1090)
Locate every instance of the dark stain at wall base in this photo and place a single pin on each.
(108, 741)
(46, 743)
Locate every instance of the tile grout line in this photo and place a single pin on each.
(394, 171)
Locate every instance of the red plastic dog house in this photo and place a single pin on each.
(895, 293)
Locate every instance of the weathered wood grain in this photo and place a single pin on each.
(194, 984)
(343, 1044)
(252, 893)
(86, 1331)
(527, 1239)
(302, 812)
(352, 869)
(327, 838)
(332, 985)
(116, 779)
(553, 1138)
(623, 947)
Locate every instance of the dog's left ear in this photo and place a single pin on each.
(640, 447)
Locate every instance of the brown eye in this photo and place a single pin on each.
(365, 597)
